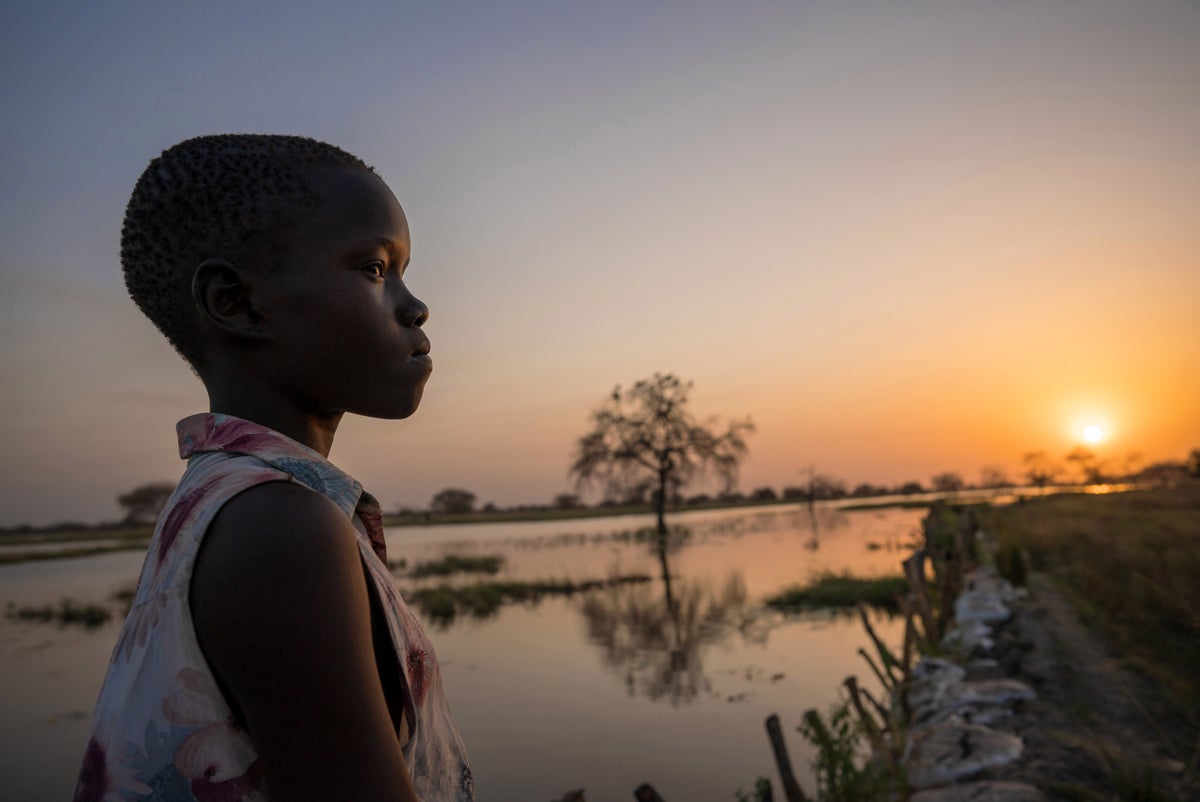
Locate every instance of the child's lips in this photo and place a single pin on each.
(422, 349)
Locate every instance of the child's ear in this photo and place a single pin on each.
(224, 297)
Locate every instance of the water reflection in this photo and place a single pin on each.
(656, 635)
(813, 542)
(529, 680)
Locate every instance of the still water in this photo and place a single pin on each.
(666, 681)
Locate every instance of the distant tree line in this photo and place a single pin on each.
(1080, 465)
(645, 448)
(143, 504)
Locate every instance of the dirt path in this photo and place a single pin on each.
(1097, 731)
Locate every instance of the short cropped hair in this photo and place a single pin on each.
(212, 196)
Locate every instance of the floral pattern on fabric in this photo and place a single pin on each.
(162, 729)
(102, 779)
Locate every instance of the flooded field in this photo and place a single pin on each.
(666, 680)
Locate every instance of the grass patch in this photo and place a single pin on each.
(556, 514)
(78, 534)
(65, 613)
(124, 599)
(444, 603)
(1130, 562)
(842, 590)
(131, 544)
(905, 504)
(458, 564)
(513, 516)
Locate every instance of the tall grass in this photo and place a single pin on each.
(1131, 564)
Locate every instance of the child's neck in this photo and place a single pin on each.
(309, 429)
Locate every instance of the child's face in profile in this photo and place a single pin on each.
(345, 330)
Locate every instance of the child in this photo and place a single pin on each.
(267, 655)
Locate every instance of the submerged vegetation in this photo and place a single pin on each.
(444, 603)
(65, 613)
(69, 612)
(458, 564)
(842, 590)
(890, 503)
(75, 544)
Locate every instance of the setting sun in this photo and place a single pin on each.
(1093, 433)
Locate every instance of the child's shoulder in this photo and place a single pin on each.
(273, 534)
(279, 549)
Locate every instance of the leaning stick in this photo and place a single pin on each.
(910, 636)
(874, 668)
(885, 656)
(883, 712)
(868, 721)
(791, 788)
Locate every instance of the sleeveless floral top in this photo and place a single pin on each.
(162, 730)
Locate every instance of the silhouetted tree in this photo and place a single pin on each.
(453, 500)
(822, 487)
(992, 476)
(567, 501)
(647, 434)
(1091, 470)
(947, 482)
(1039, 470)
(144, 503)
(1166, 473)
(1193, 462)
(1132, 464)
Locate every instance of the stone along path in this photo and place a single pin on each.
(1041, 710)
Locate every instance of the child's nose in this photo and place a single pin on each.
(415, 313)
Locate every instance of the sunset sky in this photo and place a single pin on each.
(903, 237)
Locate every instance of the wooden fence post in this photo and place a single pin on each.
(914, 569)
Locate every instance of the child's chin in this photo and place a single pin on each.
(395, 409)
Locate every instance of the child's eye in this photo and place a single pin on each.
(375, 269)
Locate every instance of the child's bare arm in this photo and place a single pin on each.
(281, 609)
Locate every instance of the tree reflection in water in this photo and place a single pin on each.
(657, 635)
